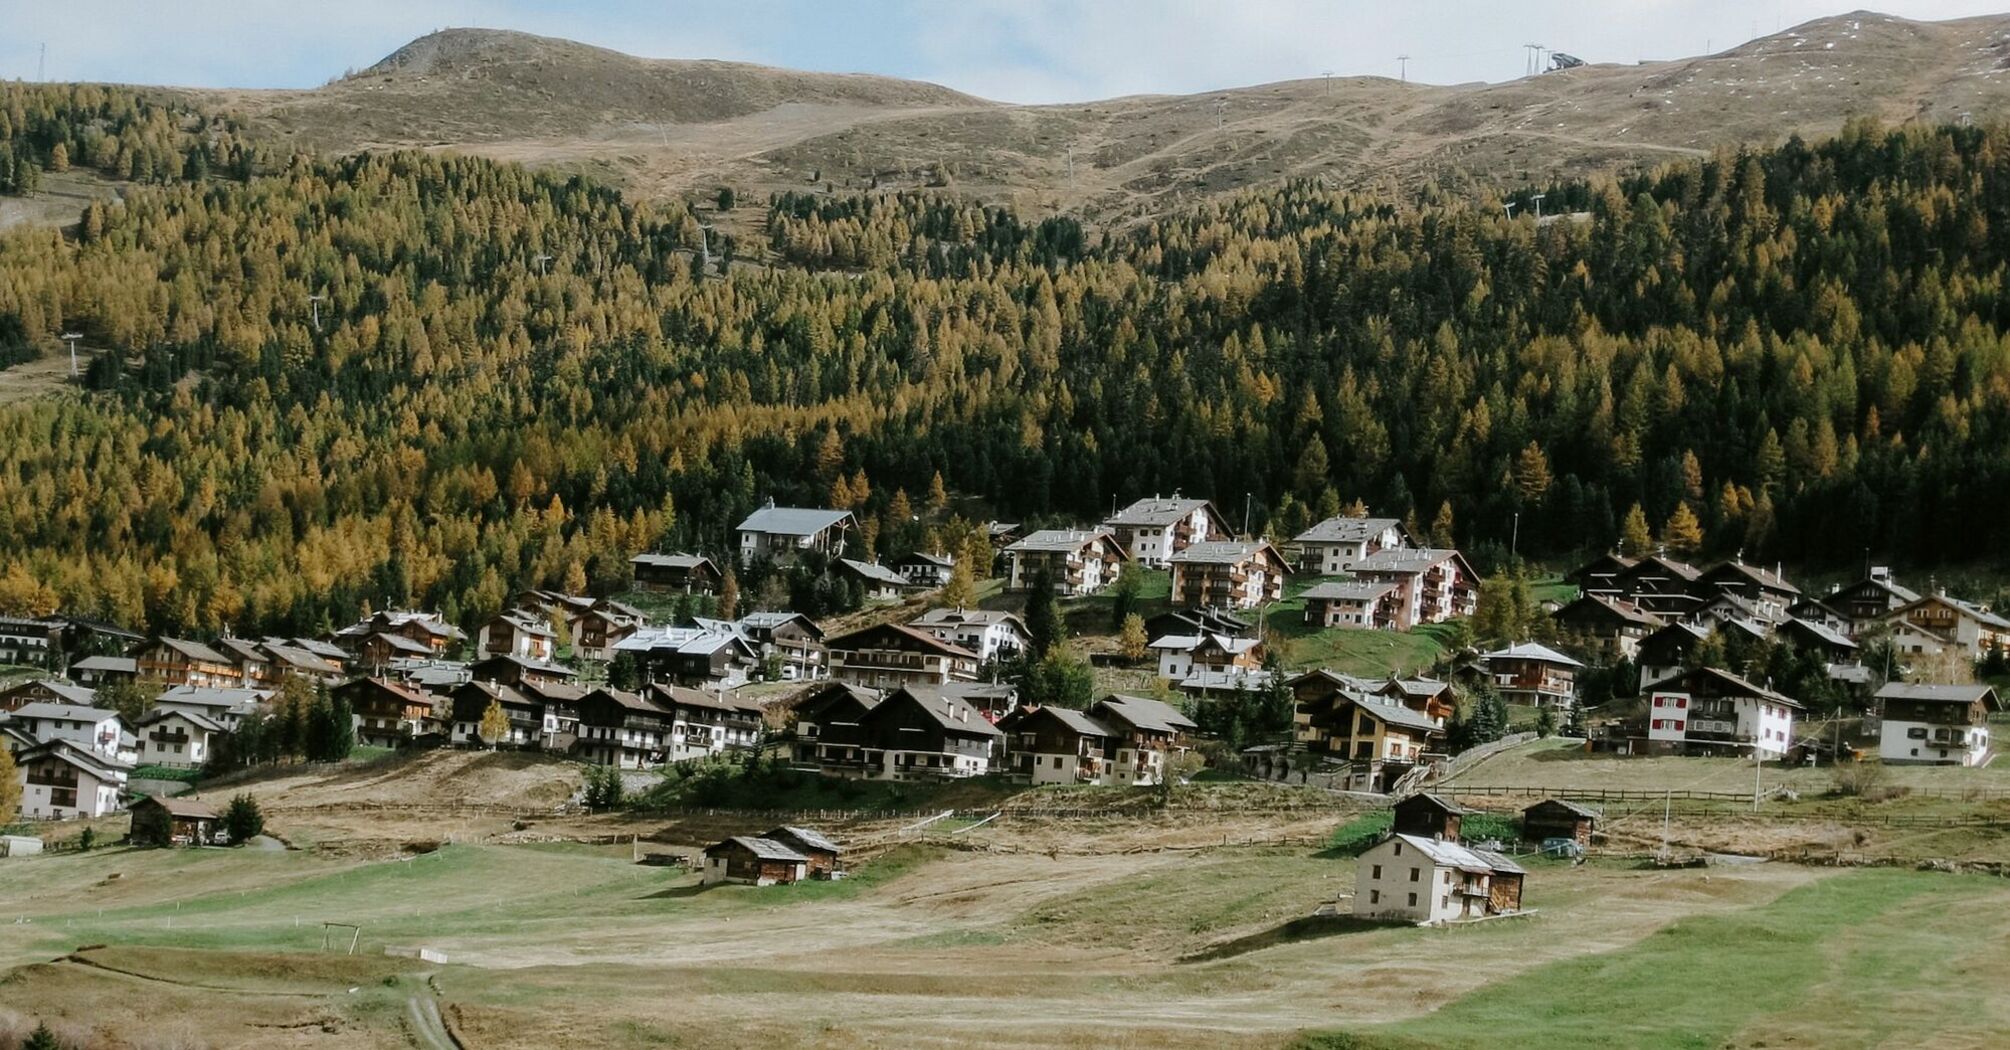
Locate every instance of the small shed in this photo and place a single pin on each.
(161, 821)
(1429, 816)
(753, 861)
(823, 854)
(19, 845)
(1555, 818)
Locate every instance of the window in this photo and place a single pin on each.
(1375, 872)
(1399, 849)
(1374, 896)
(1681, 701)
(1414, 873)
(1916, 733)
(1657, 723)
(1413, 900)
(1057, 761)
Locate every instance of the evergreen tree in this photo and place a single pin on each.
(1682, 533)
(1044, 624)
(1634, 539)
(41, 1039)
(243, 819)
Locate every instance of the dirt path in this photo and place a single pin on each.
(429, 1030)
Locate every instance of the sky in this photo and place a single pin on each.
(1029, 51)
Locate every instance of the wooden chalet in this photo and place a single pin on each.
(876, 581)
(163, 821)
(754, 862)
(679, 573)
(1556, 818)
(177, 661)
(923, 569)
(1924, 724)
(529, 723)
(891, 654)
(387, 713)
(793, 639)
(622, 729)
(515, 670)
(782, 534)
(1709, 711)
(1429, 816)
(1528, 673)
(830, 729)
(46, 691)
(824, 856)
(1429, 881)
(1612, 626)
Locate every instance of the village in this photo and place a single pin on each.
(913, 690)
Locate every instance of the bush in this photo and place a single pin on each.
(1856, 779)
(243, 820)
(603, 787)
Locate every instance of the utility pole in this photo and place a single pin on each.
(72, 338)
(1246, 498)
(1537, 198)
(1509, 205)
(1403, 68)
(541, 260)
(1221, 112)
(1758, 764)
(1514, 540)
(42, 64)
(315, 302)
(704, 247)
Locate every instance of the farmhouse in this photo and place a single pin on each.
(1708, 711)
(1231, 574)
(685, 573)
(1935, 724)
(1555, 818)
(753, 862)
(781, 534)
(1938, 623)
(1432, 585)
(992, 634)
(1870, 600)
(1428, 881)
(1153, 530)
(1334, 546)
(1530, 673)
(161, 821)
(892, 654)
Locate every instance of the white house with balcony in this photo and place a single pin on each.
(1944, 725)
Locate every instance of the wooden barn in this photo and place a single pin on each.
(823, 854)
(1429, 816)
(172, 822)
(1555, 818)
(754, 862)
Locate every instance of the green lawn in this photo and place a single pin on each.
(1564, 764)
(1356, 651)
(1849, 961)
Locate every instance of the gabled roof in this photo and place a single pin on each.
(66, 692)
(194, 718)
(1578, 808)
(809, 837)
(897, 635)
(96, 763)
(1531, 651)
(1735, 684)
(1186, 643)
(1347, 591)
(206, 696)
(193, 650)
(64, 712)
(1923, 693)
(557, 670)
(397, 689)
(874, 571)
(1396, 714)
(1662, 564)
(667, 696)
(1225, 552)
(1422, 688)
(1617, 608)
(400, 643)
(765, 849)
(1344, 529)
(768, 621)
(1158, 512)
(1768, 580)
(1452, 855)
(1407, 561)
(1062, 541)
(1077, 722)
(671, 561)
(1339, 680)
(1145, 713)
(940, 561)
(107, 665)
(967, 618)
(952, 714)
(1822, 632)
(184, 808)
(793, 521)
(1437, 800)
(241, 651)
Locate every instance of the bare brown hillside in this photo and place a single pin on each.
(678, 126)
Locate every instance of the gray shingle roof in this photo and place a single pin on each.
(1222, 552)
(875, 572)
(1156, 512)
(809, 837)
(953, 714)
(1531, 651)
(765, 849)
(1347, 530)
(1059, 540)
(793, 521)
(1920, 692)
(1347, 591)
(1146, 713)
